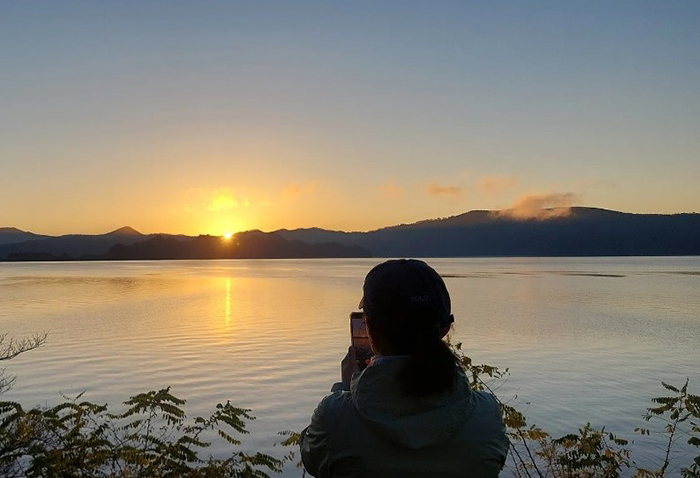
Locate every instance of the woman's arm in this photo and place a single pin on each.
(314, 445)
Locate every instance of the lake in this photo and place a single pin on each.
(586, 339)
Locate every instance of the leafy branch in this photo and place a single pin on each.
(12, 347)
(151, 438)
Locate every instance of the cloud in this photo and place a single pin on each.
(391, 190)
(497, 183)
(541, 206)
(222, 200)
(436, 189)
(295, 191)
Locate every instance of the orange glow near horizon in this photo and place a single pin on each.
(372, 122)
(226, 227)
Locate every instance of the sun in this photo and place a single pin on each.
(228, 235)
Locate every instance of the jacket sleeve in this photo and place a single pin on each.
(315, 446)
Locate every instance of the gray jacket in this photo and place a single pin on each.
(374, 431)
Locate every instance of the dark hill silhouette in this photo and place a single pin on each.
(12, 235)
(315, 235)
(583, 232)
(124, 231)
(245, 245)
(73, 245)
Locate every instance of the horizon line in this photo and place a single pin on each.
(135, 231)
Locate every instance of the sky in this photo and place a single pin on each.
(207, 117)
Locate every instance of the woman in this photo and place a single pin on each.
(411, 412)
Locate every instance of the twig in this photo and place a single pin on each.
(522, 437)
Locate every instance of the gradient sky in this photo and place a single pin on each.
(207, 117)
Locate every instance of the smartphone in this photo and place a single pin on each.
(359, 339)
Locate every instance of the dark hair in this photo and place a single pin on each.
(432, 368)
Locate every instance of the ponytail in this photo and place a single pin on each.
(432, 368)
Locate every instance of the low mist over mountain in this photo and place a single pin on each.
(576, 231)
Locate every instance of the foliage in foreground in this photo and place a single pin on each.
(151, 438)
(10, 348)
(592, 453)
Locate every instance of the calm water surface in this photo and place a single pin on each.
(585, 339)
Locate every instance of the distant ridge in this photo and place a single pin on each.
(12, 230)
(124, 231)
(10, 235)
(70, 246)
(576, 231)
(244, 245)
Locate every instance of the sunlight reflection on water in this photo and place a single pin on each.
(585, 339)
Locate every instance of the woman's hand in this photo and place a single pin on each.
(348, 367)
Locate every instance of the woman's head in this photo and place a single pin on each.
(408, 312)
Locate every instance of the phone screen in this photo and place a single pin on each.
(360, 339)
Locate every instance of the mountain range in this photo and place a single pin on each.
(12, 235)
(577, 231)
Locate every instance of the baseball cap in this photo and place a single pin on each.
(406, 285)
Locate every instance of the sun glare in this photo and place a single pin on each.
(228, 235)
